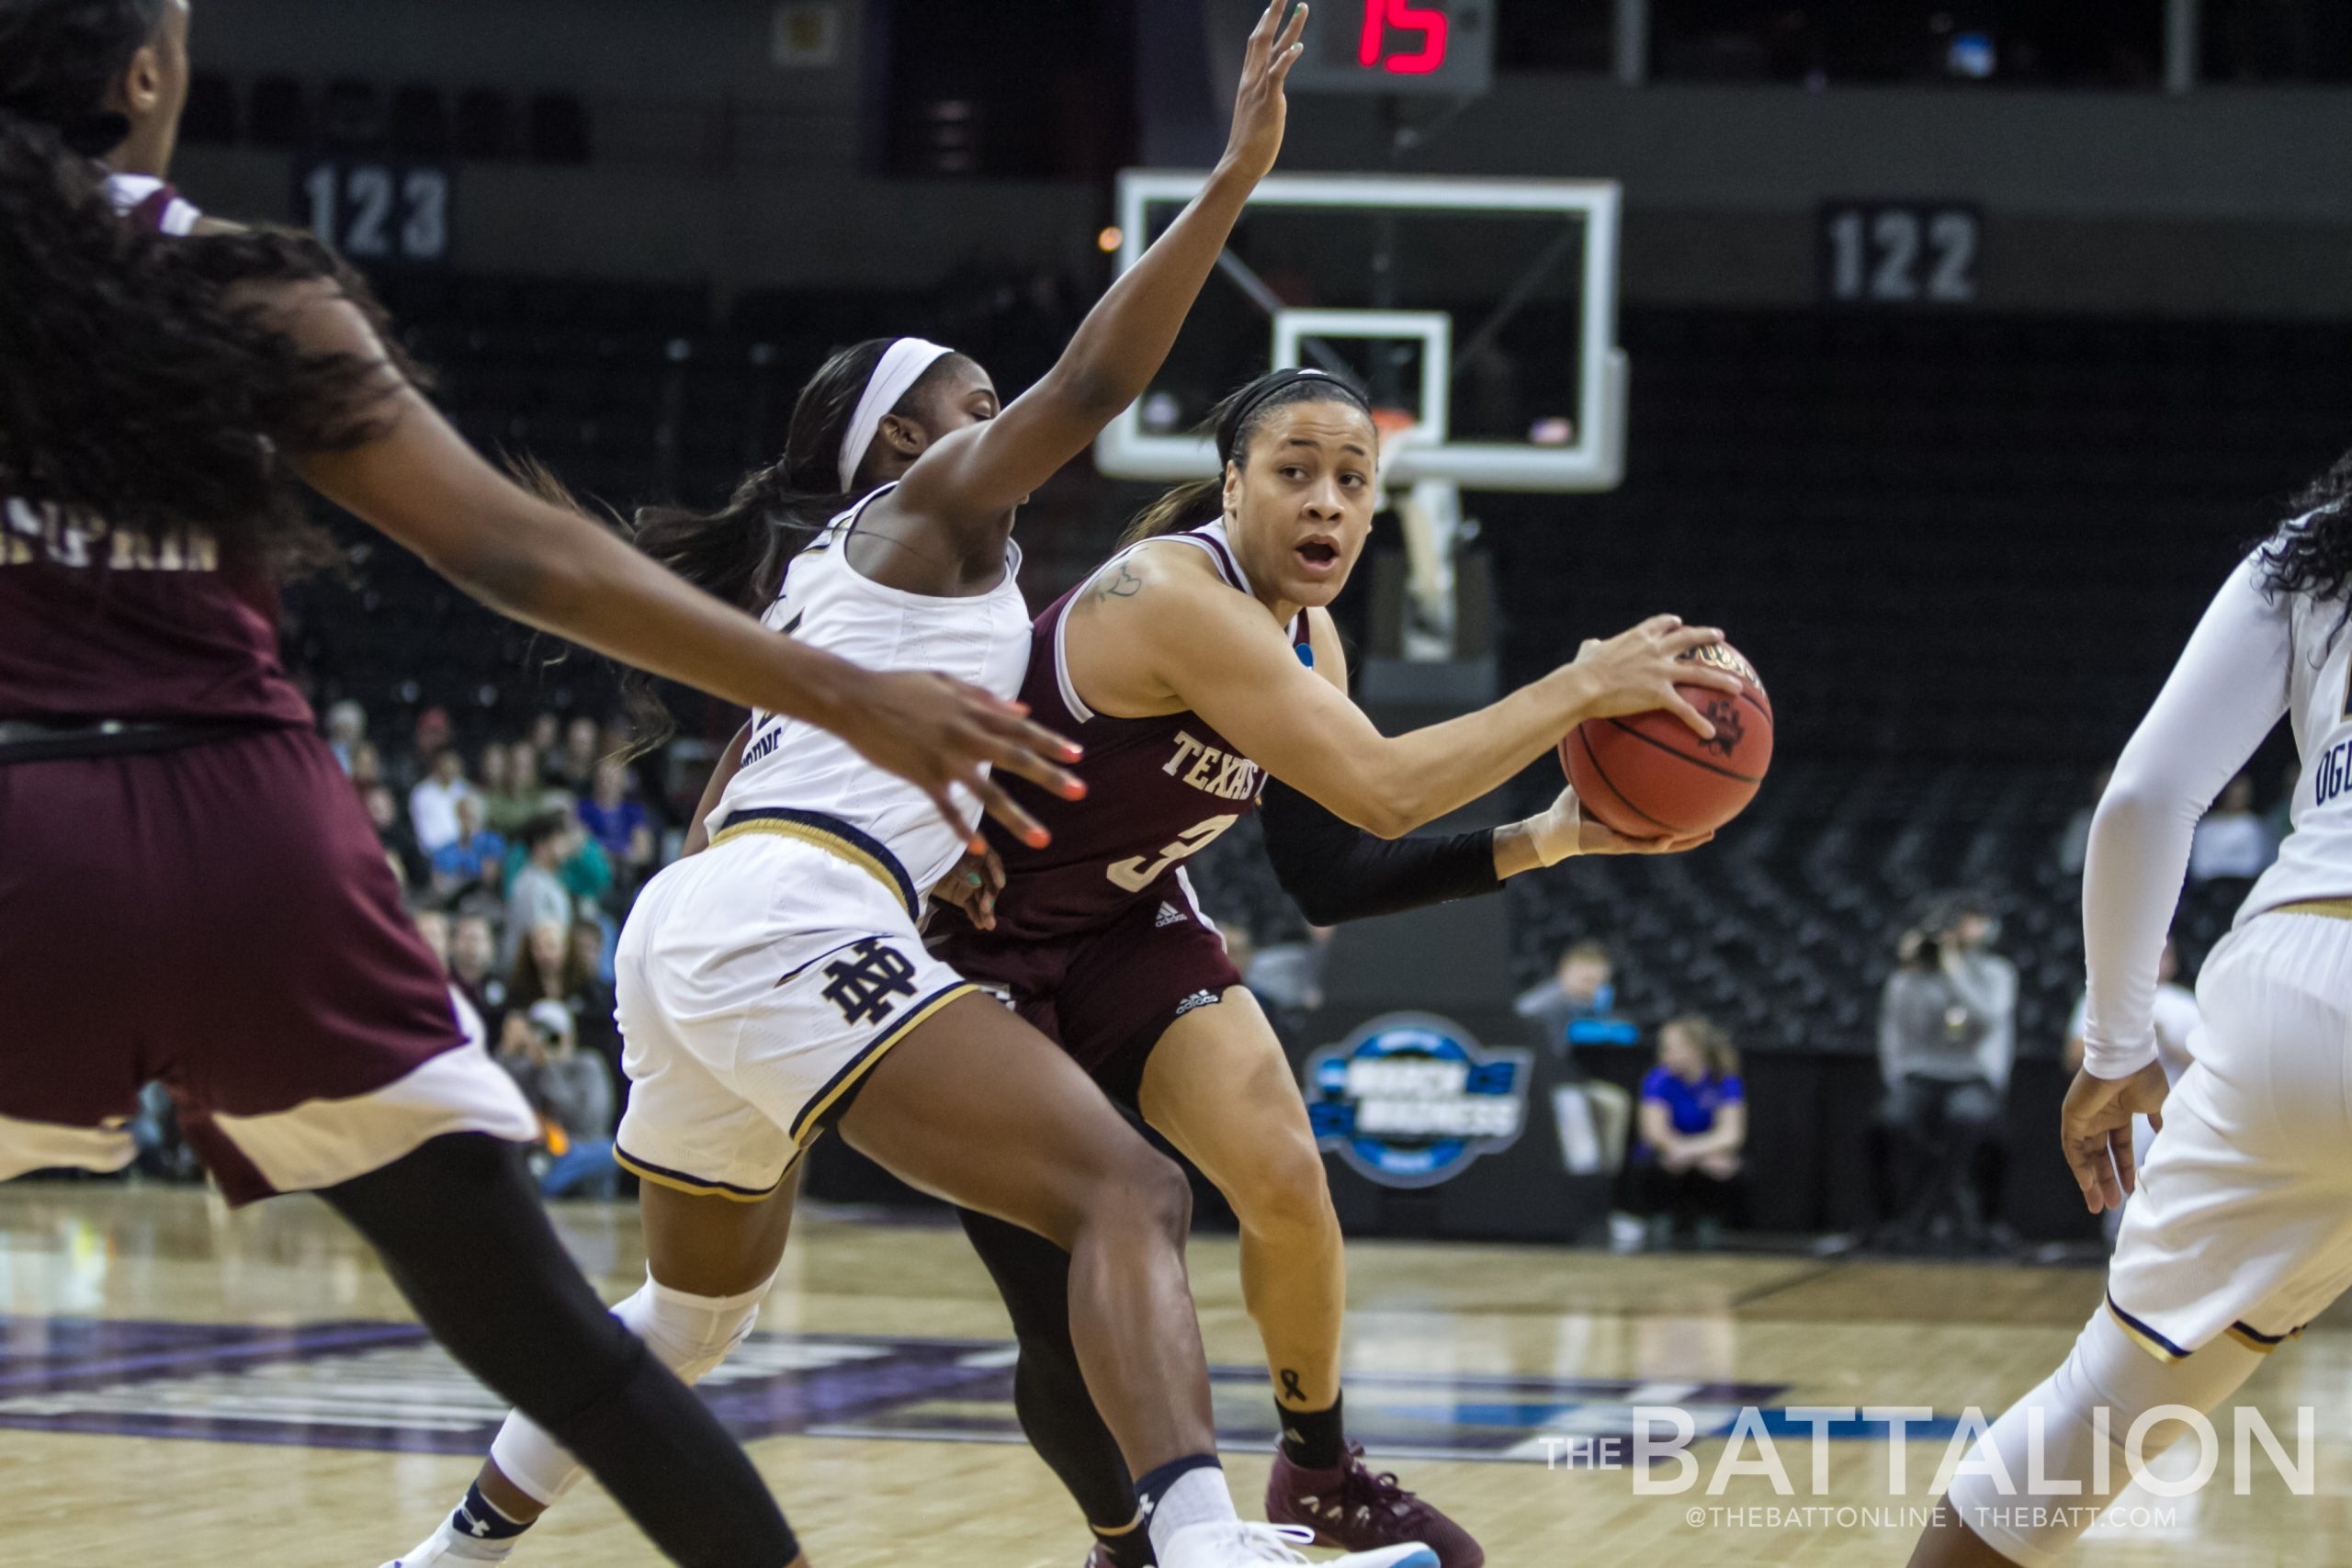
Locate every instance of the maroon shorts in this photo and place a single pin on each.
(220, 917)
(1107, 994)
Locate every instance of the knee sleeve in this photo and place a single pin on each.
(2073, 1431)
(690, 1335)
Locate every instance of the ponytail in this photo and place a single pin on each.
(740, 552)
(1234, 424)
(1186, 506)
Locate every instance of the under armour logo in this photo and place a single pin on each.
(478, 1529)
(863, 983)
(1144, 1504)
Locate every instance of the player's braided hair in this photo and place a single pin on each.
(2312, 555)
(136, 383)
(1235, 423)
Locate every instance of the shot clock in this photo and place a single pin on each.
(1438, 47)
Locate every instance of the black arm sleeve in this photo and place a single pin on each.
(1335, 872)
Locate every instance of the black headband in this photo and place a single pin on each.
(1229, 428)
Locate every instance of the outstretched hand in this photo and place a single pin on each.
(2095, 1129)
(1260, 108)
(938, 734)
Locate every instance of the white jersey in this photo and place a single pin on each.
(791, 766)
(2255, 657)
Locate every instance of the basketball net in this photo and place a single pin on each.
(1429, 510)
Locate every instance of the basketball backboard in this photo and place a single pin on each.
(1486, 309)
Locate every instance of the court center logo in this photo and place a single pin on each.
(1409, 1099)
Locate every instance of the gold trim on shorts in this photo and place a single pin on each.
(832, 843)
(851, 1074)
(2329, 909)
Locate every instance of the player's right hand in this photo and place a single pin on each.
(1636, 671)
(1260, 110)
(2094, 1128)
(937, 733)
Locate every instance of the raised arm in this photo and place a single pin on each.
(418, 482)
(976, 473)
(1217, 653)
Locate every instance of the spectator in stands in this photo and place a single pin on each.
(591, 978)
(572, 1092)
(1693, 1125)
(473, 965)
(510, 790)
(536, 893)
(367, 767)
(398, 837)
(2232, 842)
(1947, 1040)
(1576, 1003)
(619, 823)
(430, 738)
(432, 804)
(545, 969)
(586, 870)
(346, 728)
(2074, 841)
(433, 926)
(476, 854)
(547, 735)
(574, 768)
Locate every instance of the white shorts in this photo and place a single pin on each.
(2243, 1221)
(756, 983)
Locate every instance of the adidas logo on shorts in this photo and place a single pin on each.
(1197, 999)
(1169, 915)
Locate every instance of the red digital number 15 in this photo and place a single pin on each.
(1379, 16)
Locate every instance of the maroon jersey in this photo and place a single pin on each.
(1159, 791)
(98, 624)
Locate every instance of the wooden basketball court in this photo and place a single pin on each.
(185, 1385)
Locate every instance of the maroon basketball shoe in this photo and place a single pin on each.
(1354, 1509)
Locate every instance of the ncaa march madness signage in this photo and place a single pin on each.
(1409, 1099)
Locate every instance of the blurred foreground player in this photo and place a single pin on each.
(163, 380)
(2241, 1229)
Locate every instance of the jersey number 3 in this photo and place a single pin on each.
(1138, 874)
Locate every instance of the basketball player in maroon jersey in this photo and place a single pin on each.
(163, 380)
(1202, 669)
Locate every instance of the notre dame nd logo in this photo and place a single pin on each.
(863, 981)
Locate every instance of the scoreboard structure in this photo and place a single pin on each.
(1438, 48)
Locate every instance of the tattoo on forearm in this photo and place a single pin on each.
(1126, 585)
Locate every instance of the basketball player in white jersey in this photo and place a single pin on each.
(774, 984)
(2240, 1228)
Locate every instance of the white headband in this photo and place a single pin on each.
(901, 366)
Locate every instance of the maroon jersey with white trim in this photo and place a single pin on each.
(95, 624)
(1158, 791)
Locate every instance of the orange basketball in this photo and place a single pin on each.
(1650, 777)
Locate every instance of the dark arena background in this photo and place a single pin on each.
(1948, 353)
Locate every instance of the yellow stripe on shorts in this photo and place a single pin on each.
(832, 843)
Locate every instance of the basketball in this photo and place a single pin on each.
(1649, 775)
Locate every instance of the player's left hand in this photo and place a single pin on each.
(1566, 831)
(1260, 110)
(2095, 1129)
(973, 887)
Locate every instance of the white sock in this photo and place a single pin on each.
(1199, 1496)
